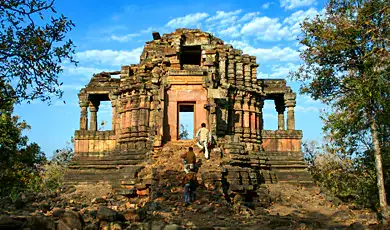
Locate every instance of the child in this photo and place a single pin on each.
(189, 160)
(190, 183)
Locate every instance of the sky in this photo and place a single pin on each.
(109, 34)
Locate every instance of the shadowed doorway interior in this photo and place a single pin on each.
(186, 121)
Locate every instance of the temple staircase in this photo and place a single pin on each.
(112, 168)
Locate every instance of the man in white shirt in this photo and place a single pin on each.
(204, 137)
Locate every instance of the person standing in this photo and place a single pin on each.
(189, 160)
(203, 137)
(190, 184)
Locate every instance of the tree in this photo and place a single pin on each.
(346, 65)
(19, 161)
(183, 133)
(32, 49)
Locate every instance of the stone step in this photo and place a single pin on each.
(103, 164)
(279, 163)
(281, 154)
(291, 166)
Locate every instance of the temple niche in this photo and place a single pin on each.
(188, 70)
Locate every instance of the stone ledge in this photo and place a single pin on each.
(282, 134)
(185, 73)
(94, 135)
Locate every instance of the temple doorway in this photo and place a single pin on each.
(186, 115)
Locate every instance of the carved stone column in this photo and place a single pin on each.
(83, 101)
(289, 100)
(280, 108)
(113, 99)
(231, 70)
(93, 108)
(253, 114)
(222, 68)
(259, 114)
(239, 71)
(238, 118)
(254, 66)
(247, 71)
(84, 116)
(135, 115)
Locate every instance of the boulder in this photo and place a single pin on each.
(70, 220)
(92, 226)
(6, 222)
(172, 227)
(58, 212)
(110, 226)
(106, 214)
(39, 223)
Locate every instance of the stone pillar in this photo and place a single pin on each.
(84, 116)
(113, 99)
(238, 114)
(231, 70)
(93, 108)
(253, 67)
(247, 71)
(289, 100)
(239, 71)
(135, 115)
(279, 105)
(83, 101)
(222, 68)
(259, 115)
(143, 122)
(253, 115)
(245, 109)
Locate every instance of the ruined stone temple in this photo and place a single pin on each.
(188, 71)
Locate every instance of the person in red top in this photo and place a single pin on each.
(190, 184)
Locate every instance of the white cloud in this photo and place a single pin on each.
(292, 4)
(110, 57)
(188, 20)
(248, 16)
(266, 28)
(308, 100)
(123, 38)
(72, 87)
(297, 17)
(279, 71)
(82, 71)
(308, 109)
(222, 15)
(266, 5)
(286, 54)
(300, 15)
(233, 31)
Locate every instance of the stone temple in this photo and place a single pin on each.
(188, 71)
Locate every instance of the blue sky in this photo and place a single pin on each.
(109, 34)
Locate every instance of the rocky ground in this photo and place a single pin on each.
(86, 207)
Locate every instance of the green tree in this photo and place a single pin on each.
(19, 160)
(32, 52)
(32, 48)
(183, 133)
(346, 65)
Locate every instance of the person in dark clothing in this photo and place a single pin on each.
(190, 184)
(189, 160)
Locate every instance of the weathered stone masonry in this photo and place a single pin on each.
(220, 82)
